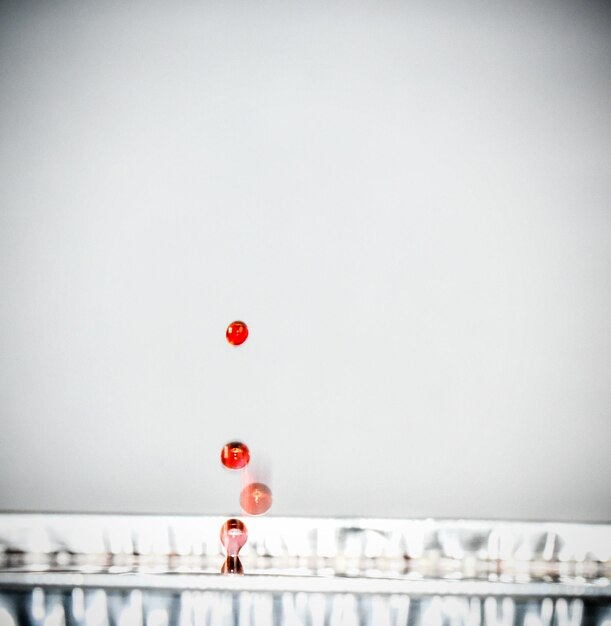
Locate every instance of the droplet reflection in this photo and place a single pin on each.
(232, 565)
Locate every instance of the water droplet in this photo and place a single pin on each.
(233, 536)
(237, 333)
(256, 498)
(235, 455)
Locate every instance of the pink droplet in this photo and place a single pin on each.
(233, 536)
(256, 499)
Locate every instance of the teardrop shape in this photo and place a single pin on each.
(233, 536)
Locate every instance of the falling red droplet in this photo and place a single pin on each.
(232, 565)
(237, 333)
(233, 536)
(235, 455)
(256, 499)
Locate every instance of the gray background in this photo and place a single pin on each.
(409, 203)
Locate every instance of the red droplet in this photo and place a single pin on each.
(256, 499)
(237, 333)
(233, 536)
(235, 455)
(232, 565)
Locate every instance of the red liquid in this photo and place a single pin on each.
(232, 565)
(237, 333)
(235, 455)
(256, 499)
(233, 536)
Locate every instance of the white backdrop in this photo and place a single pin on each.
(408, 203)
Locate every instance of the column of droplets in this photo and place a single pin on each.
(256, 497)
(235, 455)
